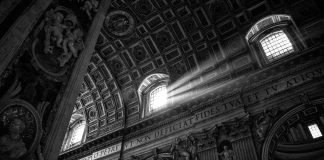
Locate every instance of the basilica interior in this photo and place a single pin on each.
(161, 80)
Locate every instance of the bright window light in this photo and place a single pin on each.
(276, 45)
(77, 134)
(158, 98)
(315, 131)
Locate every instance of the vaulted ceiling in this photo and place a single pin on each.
(143, 37)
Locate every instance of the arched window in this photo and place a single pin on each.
(75, 133)
(315, 131)
(158, 98)
(153, 94)
(273, 38)
(276, 45)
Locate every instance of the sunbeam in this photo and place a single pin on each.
(197, 93)
(188, 76)
(197, 82)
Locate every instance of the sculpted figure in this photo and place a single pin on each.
(11, 144)
(71, 45)
(73, 42)
(53, 31)
(193, 147)
(263, 124)
(227, 154)
(179, 151)
(90, 5)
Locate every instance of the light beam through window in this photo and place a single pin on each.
(158, 98)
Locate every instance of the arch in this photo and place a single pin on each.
(265, 23)
(277, 130)
(76, 117)
(77, 120)
(149, 84)
(151, 80)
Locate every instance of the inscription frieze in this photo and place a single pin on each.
(283, 85)
(170, 129)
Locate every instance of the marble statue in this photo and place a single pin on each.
(179, 151)
(193, 147)
(11, 144)
(72, 43)
(90, 6)
(227, 154)
(53, 31)
(61, 31)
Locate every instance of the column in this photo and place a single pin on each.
(65, 107)
(18, 32)
(240, 135)
(244, 149)
(208, 154)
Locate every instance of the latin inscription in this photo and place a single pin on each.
(185, 123)
(104, 152)
(174, 127)
(285, 84)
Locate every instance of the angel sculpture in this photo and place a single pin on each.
(72, 41)
(71, 45)
(53, 30)
(193, 144)
(90, 6)
(227, 154)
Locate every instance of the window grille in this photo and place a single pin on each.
(158, 98)
(77, 134)
(315, 131)
(276, 45)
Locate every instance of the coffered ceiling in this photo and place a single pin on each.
(143, 37)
